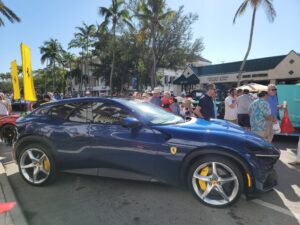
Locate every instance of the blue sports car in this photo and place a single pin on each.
(216, 159)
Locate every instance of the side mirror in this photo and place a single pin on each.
(130, 122)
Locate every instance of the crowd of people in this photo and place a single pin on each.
(256, 113)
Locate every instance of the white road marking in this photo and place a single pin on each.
(277, 208)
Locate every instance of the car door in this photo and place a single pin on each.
(119, 147)
(70, 134)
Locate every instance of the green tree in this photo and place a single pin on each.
(84, 39)
(255, 4)
(151, 13)
(8, 13)
(174, 42)
(68, 61)
(51, 53)
(115, 15)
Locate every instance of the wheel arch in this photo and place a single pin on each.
(30, 139)
(198, 153)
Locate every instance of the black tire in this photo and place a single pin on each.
(8, 133)
(37, 150)
(226, 169)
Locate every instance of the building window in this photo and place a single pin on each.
(247, 76)
(260, 75)
(291, 72)
(292, 61)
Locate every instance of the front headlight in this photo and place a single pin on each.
(265, 151)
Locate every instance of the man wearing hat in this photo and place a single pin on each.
(155, 100)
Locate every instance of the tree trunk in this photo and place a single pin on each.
(248, 50)
(71, 77)
(53, 75)
(153, 69)
(81, 74)
(113, 60)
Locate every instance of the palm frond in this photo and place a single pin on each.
(241, 10)
(8, 13)
(105, 12)
(270, 11)
(169, 14)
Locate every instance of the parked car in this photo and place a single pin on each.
(216, 159)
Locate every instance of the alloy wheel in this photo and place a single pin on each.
(215, 183)
(35, 165)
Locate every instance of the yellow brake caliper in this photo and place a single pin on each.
(202, 184)
(46, 164)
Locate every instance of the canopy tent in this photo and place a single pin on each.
(253, 87)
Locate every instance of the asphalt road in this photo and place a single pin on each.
(79, 199)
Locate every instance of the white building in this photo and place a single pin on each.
(277, 69)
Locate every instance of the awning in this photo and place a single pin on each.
(180, 80)
(193, 79)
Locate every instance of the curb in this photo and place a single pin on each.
(15, 216)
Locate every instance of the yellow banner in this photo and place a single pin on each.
(29, 91)
(15, 80)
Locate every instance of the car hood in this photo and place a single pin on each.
(215, 126)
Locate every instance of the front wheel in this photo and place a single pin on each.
(36, 165)
(216, 181)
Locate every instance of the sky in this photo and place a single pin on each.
(223, 40)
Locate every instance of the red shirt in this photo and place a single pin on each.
(166, 103)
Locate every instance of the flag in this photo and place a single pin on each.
(29, 91)
(15, 80)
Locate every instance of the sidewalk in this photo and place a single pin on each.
(15, 216)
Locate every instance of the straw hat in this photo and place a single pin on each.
(156, 90)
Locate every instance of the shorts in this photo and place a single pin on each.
(244, 120)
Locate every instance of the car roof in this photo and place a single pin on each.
(83, 99)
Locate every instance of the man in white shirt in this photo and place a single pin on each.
(231, 106)
(243, 103)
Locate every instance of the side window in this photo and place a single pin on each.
(62, 111)
(41, 111)
(107, 113)
(80, 114)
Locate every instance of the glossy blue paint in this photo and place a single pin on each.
(145, 147)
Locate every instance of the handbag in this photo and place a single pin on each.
(276, 128)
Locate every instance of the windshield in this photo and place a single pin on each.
(152, 113)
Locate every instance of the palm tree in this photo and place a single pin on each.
(271, 14)
(151, 13)
(9, 14)
(68, 59)
(51, 52)
(84, 39)
(115, 14)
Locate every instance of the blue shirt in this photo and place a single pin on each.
(273, 101)
(155, 101)
(258, 111)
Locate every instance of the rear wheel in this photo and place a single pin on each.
(216, 181)
(36, 165)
